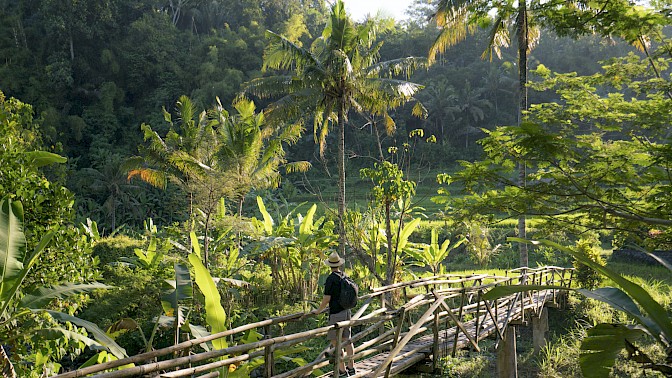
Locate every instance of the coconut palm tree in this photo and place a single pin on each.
(252, 150)
(458, 18)
(340, 72)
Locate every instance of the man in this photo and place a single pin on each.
(332, 291)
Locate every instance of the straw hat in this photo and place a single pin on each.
(334, 260)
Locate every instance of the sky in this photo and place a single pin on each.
(358, 9)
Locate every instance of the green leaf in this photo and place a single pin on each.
(182, 289)
(194, 244)
(14, 266)
(601, 347)
(215, 316)
(615, 297)
(43, 295)
(306, 226)
(12, 249)
(39, 159)
(197, 332)
(407, 231)
(56, 333)
(98, 334)
(268, 220)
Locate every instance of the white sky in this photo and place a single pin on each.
(358, 9)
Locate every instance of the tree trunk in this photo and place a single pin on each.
(389, 277)
(523, 40)
(380, 146)
(341, 178)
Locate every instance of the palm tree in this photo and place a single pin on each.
(472, 106)
(111, 183)
(188, 155)
(440, 99)
(338, 73)
(252, 150)
(457, 18)
(213, 155)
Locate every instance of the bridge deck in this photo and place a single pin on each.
(421, 348)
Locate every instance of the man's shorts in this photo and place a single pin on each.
(339, 317)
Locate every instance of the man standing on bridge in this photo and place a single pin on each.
(332, 292)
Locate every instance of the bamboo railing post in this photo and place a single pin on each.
(338, 349)
(459, 319)
(383, 304)
(435, 346)
(478, 313)
(269, 361)
(397, 336)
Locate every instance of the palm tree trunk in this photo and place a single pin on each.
(341, 178)
(389, 276)
(523, 40)
(380, 146)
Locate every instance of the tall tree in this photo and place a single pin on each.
(458, 18)
(338, 73)
(252, 150)
(602, 158)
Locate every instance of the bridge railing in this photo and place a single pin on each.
(437, 313)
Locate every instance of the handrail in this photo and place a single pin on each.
(463, 292)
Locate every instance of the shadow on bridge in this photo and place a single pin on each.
(438, 316)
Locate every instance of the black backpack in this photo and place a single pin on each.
(349, 292)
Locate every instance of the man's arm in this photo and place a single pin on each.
(323, 305)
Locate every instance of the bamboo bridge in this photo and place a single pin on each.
(436, 316)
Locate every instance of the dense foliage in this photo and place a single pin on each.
(136, 162)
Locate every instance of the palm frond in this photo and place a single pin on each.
(282, 54)
(395, 67)
(297, 166)
(153, 177)
(454, 28)
(498, 37)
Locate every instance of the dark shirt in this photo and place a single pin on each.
(332, 287)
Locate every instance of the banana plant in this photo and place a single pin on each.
(15, 264)
(215, 316)
(605, 341)
(433, 254)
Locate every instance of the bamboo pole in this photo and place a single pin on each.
(435, 346)
(212, 365)
(338, 349)
(162, 365)
(409, 335)
(172, 349)
(213, 374)
(397, 335)
(268, 354)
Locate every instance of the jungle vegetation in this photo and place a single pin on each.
(149, 146)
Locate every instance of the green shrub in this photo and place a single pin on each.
(112, 249)
(585, 276)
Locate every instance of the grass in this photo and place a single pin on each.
(324, 190)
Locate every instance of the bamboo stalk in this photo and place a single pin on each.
(213, 374)
(411, 333)
(172, 349)
(212, 365)
(162, 365)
